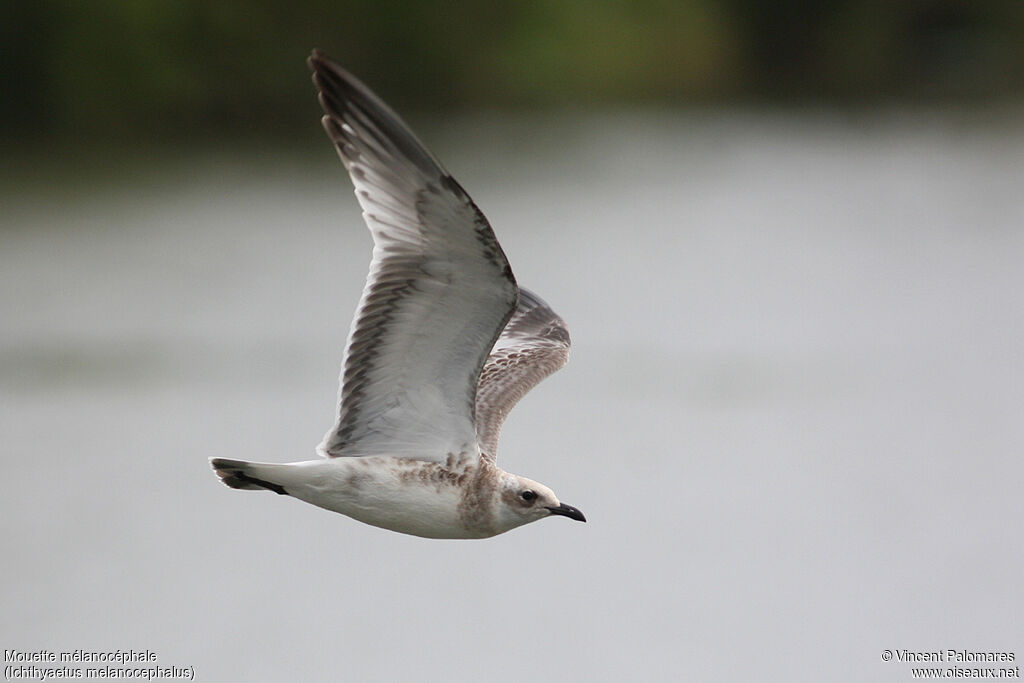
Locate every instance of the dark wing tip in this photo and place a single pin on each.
(317, 62)
(536, 317)
(529, 301)
(318, 59)
(329, 71)
(347, 99)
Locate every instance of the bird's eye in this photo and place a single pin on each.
(527, 495)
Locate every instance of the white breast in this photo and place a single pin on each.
(409, 496)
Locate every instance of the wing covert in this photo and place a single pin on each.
(534, 344)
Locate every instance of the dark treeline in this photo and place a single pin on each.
(172, 68)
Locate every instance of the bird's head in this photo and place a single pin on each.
(522, 500)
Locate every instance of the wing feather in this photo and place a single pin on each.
(438, 293)
(534, 344)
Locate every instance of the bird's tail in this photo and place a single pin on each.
(239, 474)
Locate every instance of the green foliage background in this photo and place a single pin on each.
(128, 69)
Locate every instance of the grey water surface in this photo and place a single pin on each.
(794, 414)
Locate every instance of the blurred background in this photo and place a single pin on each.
(118, 70)
(787, 237)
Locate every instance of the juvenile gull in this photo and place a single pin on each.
(442, 346)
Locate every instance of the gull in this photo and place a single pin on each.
(443, 344)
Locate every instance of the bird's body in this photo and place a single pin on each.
(460, 498)
(443, 344)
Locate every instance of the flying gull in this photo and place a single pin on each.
(444, 343)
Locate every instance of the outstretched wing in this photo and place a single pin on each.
(438, 294)
(534, 344)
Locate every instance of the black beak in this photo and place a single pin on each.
(568, 511)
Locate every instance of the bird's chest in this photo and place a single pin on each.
(426, 499)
